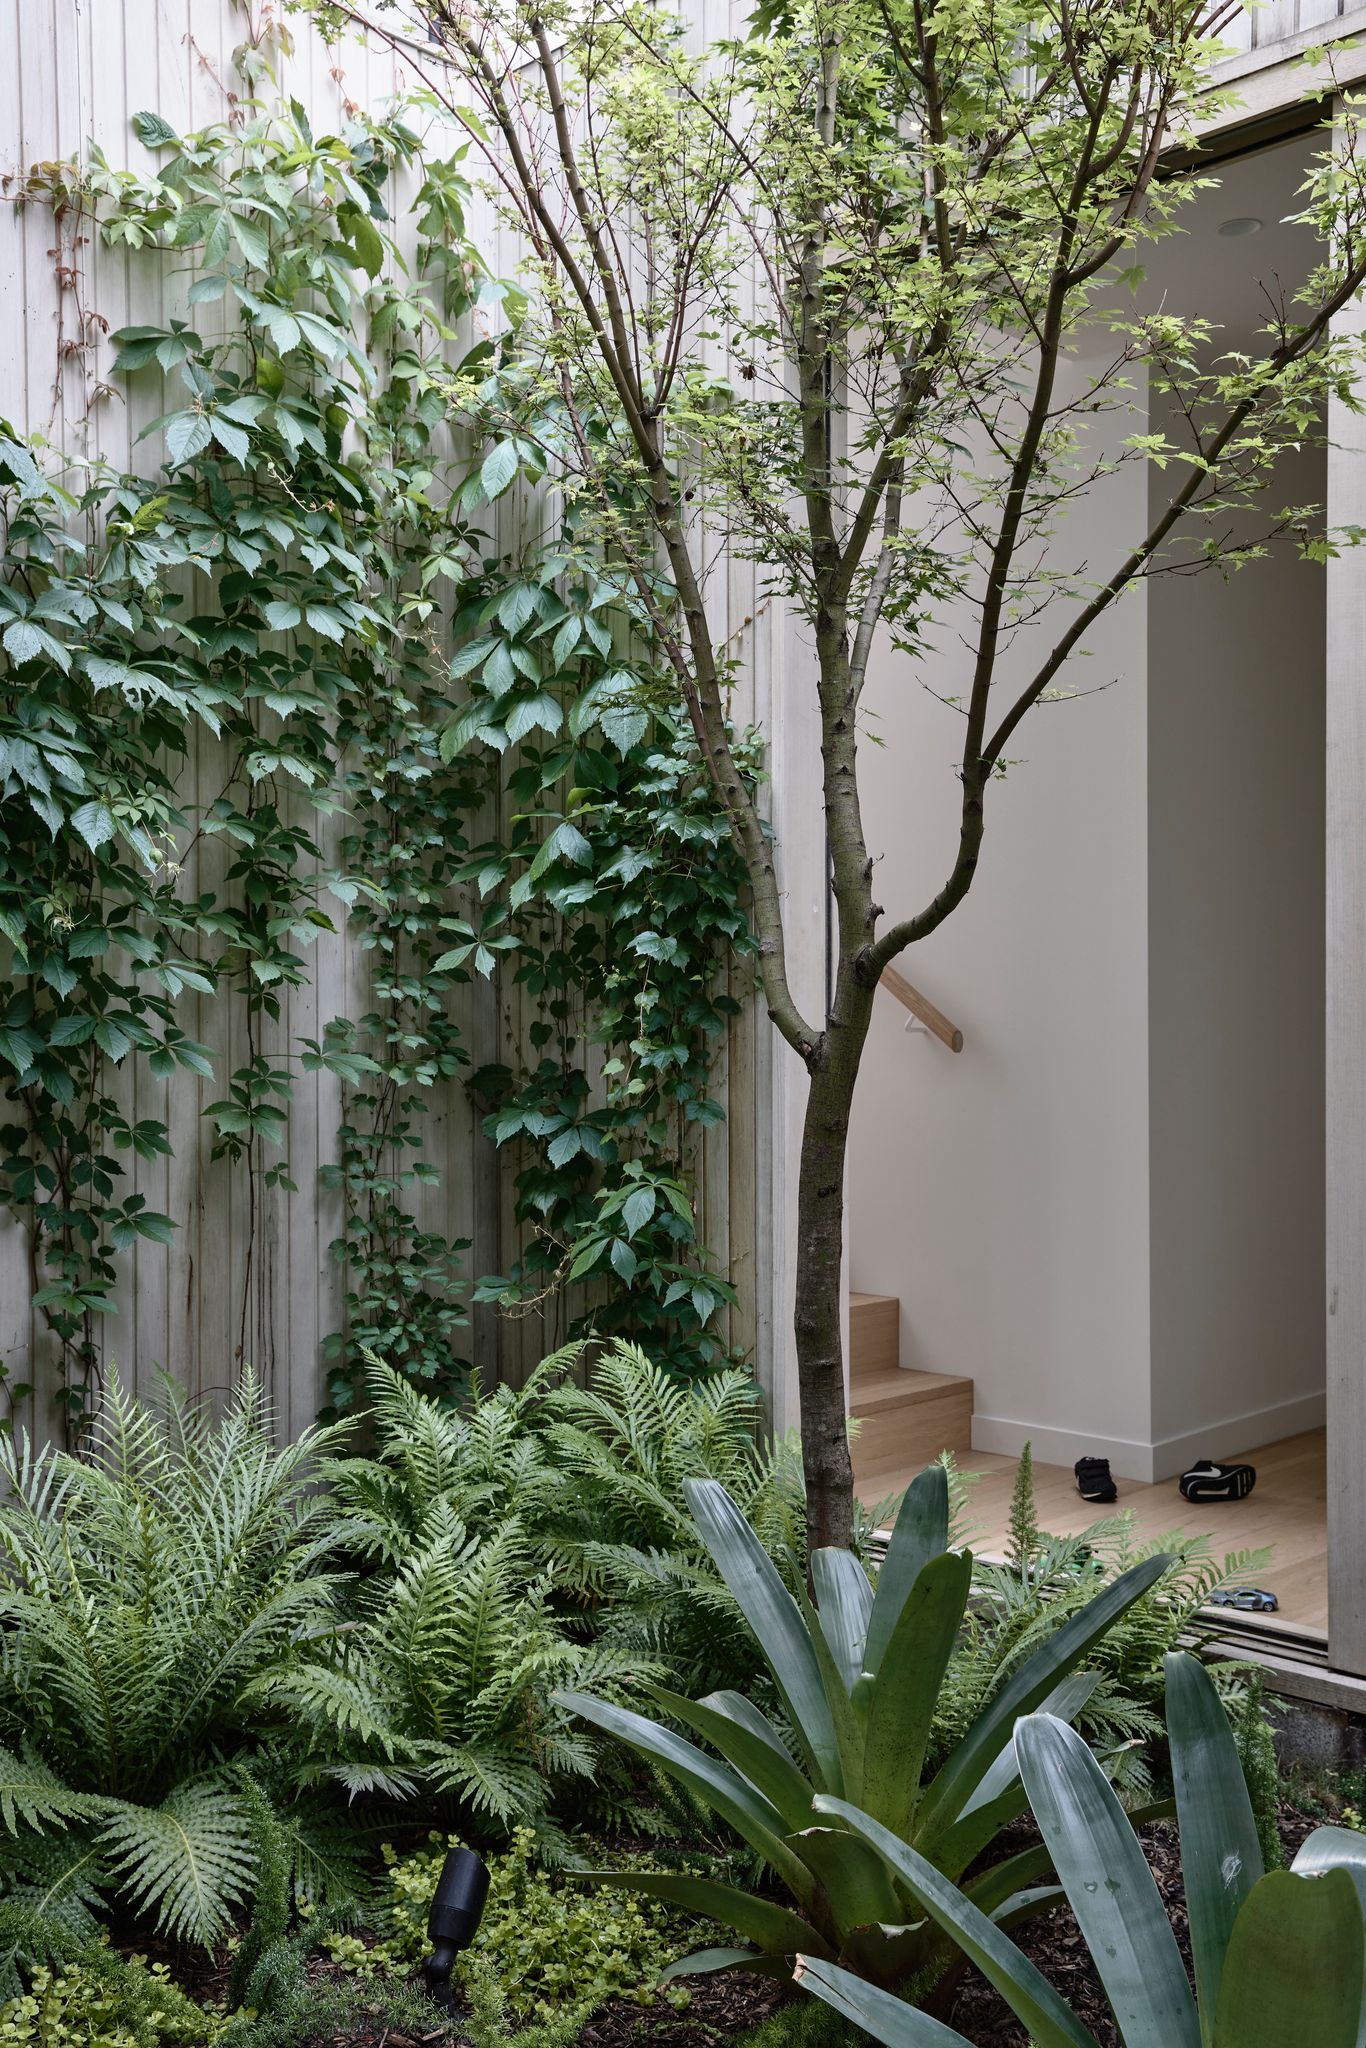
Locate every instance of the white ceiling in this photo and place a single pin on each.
(1226, 278)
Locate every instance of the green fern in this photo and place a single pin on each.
(619, 1537)
(532, 1539)
(155, 1596)
(1022, 1528)
(1014, 1611)
(188, 1863)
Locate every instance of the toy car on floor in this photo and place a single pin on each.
(1247, 1599)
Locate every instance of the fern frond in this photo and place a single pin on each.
(334, 1701)
(494, 1780)
(33, 1796)
(330, 1858)
(188, 1863)
(59, 1878)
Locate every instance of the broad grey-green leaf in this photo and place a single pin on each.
(566, 842)
(707, 1962)
(775, 1618)
(230, 437)
(624, 726)
(1221, 1858)
(637, 1209)
(187, 434)
(844, 1601)
(1028, 1993)
(473, 656)
(1025, 1690)
(323, 335)
(24, 642)
(528, 713)
(1110, 1888)
(887, 2018)
(282, 328)
(1293, 1973)
(777, 1929)
(1336, 1849)
(107, 674)
(752, 1751)
(905, 1690)
(365, 239)
(853, 1877)
(515, 606)
(1065, 1702)
(921, 1531)
(566, 639)
(498, 469)
(251, 240)
(153, 130)
(715, 1783)
(500, 670)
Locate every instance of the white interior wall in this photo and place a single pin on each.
(1008, 1195)
(1002, 1192)
(1236, 709)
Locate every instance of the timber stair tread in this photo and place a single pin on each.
(896, 1387)
(907, 1417)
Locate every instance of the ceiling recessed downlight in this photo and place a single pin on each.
(1243, 224)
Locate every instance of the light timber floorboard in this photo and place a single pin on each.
(1287, 1510)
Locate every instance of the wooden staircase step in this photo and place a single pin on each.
(906, 1418)
(872, 1393)
(874, 1332)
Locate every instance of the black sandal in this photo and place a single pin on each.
(1208, 1481)
(1094, 1482)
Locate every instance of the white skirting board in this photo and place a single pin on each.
(1152, 1462)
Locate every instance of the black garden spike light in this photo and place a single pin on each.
(457, 1909)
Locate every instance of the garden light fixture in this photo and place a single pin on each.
(457, 1908)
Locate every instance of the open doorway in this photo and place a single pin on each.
(1101, 1226)
(1236, 972)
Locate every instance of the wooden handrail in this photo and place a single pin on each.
(920, 1006)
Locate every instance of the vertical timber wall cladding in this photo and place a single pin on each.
(249, 1272)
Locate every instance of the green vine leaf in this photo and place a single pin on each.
(187, 434)
(327, 590)
(499, 468)
(156, 132)
(95, 823)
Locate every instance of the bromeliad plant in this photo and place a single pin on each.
(859, 1675)
(1278, 1959)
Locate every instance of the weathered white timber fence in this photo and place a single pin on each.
(248, 1258)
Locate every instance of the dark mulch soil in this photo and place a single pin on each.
(375, 2032)
(719, 2009)
(1055, 1945)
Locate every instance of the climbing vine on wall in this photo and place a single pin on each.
(636, 898)
(281, 601)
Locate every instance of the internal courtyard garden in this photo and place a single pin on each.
(459, 470)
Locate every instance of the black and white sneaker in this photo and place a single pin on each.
(1094, 1482)
(1208, 1480)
